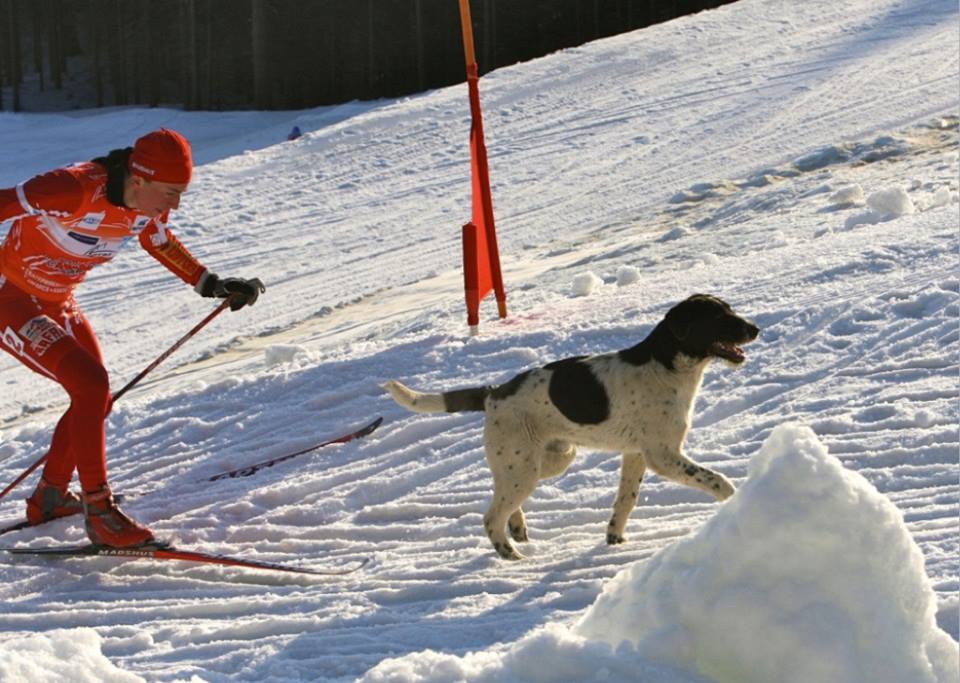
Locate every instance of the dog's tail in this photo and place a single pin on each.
(459, 401)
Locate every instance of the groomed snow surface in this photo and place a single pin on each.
(781, 585)
(799, 160)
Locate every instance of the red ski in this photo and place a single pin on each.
(165, 552)
(256, 467)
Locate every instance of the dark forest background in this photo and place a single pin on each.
(280, 54)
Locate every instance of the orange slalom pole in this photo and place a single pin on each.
(467, 24)
(473, 76)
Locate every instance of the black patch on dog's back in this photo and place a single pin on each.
(577, 393)
(509, 388)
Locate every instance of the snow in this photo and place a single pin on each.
(707, 154)
(849, 194)
(627, 275)
(61, 655)
(891, 202)
(793, 556)
(585, 284)
(279, 354)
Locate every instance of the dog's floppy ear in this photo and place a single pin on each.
(679, 329)
(682, 318)
(679, 322)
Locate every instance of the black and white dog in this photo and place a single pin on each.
(637, 401)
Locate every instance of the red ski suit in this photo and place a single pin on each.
(64, 225)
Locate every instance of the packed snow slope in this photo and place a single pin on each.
(585, 140)
(756, 594)
(798, 159)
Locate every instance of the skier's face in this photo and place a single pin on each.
(154, 198)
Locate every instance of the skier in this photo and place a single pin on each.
(66, 222)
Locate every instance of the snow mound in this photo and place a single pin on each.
(806, 557)
(551, 654)
(884, 205)
(585, 284)
(706, 259)
(943, 196)
(627, 275)
(67, 656)
(280, 354)
(893, 201)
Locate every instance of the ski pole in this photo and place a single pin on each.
(166, 354)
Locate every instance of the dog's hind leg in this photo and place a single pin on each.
(508, 496)
(676, 466)
(631, 476)
(514, 463)
(517, 524)
(555, 458)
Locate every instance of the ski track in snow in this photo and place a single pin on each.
(626, 152)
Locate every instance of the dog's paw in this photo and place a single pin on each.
(507, 551)
(723, 489)
(519, 533)
(615, 539)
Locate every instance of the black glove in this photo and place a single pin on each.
(240, 291)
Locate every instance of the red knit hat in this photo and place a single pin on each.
(163, 156)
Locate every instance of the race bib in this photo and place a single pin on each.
(41, 333)
(11, 339)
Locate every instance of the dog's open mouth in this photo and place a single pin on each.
(728, 351)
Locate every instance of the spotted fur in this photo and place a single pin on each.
(637, 401)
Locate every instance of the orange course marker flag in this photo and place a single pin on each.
(477, 282)
(481, 256)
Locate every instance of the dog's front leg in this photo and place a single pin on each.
(631, 476)
(674, 465)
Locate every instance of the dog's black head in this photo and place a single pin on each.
(706, 327)
(701, 327)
